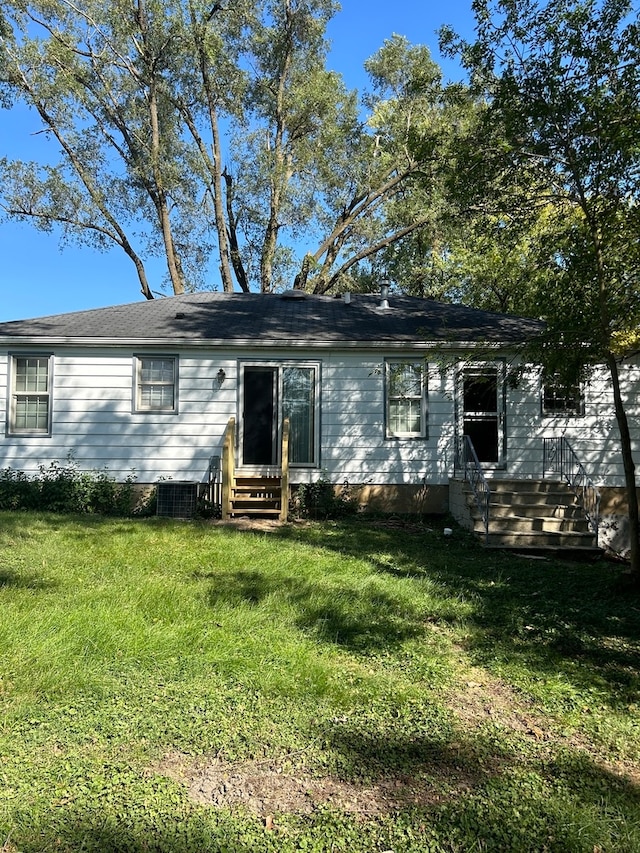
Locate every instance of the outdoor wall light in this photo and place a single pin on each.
(220, 376)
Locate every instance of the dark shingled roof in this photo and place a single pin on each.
(268, 319)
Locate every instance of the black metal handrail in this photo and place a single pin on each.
(474, 475)
(560, 458)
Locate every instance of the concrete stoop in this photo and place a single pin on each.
(539, 515)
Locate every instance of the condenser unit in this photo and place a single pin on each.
(177, 498)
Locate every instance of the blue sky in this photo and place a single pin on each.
(37, 277)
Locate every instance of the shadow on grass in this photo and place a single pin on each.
(20, 580)
(352, 617)
(552, 616)
(159, 831)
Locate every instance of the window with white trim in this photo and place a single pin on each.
(406, 387)
(30, 395)
(561, 398)
(156, 383)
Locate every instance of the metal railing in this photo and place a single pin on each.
(560, 458)
(214, 482)
(474, 475)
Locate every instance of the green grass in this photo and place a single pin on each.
(500, 695)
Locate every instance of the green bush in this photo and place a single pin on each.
(319, 500)
(62, 487)
(17, 491)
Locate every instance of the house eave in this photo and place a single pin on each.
(41, 341)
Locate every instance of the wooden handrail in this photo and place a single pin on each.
(284, 480)
(228, 466)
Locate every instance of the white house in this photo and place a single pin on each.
(378, 391)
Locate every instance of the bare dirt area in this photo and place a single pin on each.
(483, 699)
(265, 789)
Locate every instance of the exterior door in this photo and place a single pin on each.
(482, 411)
(271, 393)
(259, 416)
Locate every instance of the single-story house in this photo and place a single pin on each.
(394, 394)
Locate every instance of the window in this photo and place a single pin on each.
(298, 404)
(30, 400)
(406, 400)
(560, 398)
(156, 384)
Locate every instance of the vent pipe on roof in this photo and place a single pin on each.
(384, 295)
(347, 298)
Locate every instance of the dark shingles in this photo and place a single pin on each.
(270, 318)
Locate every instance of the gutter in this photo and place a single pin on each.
(247, 343)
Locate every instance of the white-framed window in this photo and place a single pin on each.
(30, 396)
(406, 399)
(156, 383)
(561, 399)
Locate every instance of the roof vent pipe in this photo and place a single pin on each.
(384, 295)
(347, 298)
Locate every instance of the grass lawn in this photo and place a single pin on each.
(354, 686)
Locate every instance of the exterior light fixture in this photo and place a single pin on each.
(220, 376)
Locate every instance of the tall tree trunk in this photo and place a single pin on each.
(160, 194)
(629, 467)
(214, 163)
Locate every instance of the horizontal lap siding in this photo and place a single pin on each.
(93, 420)
(354, 446)
(594, 436)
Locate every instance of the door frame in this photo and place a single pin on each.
(277, 366)
(499, 366)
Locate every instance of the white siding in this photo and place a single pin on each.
(93, 420)
(593, 435)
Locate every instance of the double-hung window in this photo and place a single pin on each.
(406, 391)
(30, 397)
(561, 398)
(156, 385)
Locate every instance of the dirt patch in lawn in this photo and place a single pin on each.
(266, 790)
(482, 699)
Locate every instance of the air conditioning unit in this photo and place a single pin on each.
(177, 498)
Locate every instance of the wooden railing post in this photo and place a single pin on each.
(228, 466)
(284, 481)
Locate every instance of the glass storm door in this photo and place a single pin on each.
(259, 426)
(270, 394)
(483, 411)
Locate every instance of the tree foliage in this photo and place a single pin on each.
(557, 156)
(215, 136)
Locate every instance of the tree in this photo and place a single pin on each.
(191, 131)
(561, 83)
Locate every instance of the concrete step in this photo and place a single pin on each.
(540, 487)
(550, 499)
(517, 524)
(536, 515)
(523, 510)
(543, 541)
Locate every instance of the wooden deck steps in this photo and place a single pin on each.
(539, 515)
(256, 497)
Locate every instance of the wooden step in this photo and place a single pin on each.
(256, 497)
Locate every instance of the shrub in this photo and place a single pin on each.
(62, 487)
(320, 500)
